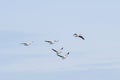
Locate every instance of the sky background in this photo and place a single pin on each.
(95, 58)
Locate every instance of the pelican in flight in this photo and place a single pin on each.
(63, 57)
(79, 35)
(27, 43)
(51, 42)
(58, 52)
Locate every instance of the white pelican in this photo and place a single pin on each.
(51, 42)
(79, 35)
(27, 43)
(63, 57)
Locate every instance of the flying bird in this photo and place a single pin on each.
(51, 42)
(58, 52)
(27, 43)
(63, 57)
(79, 35)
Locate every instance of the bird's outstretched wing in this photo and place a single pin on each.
(50, 42)
(61, 56)
(47, 41)
(25, 44)
(55, 50)
(82, 37)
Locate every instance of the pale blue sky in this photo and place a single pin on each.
(96, 58)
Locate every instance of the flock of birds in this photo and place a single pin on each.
(58, 52)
